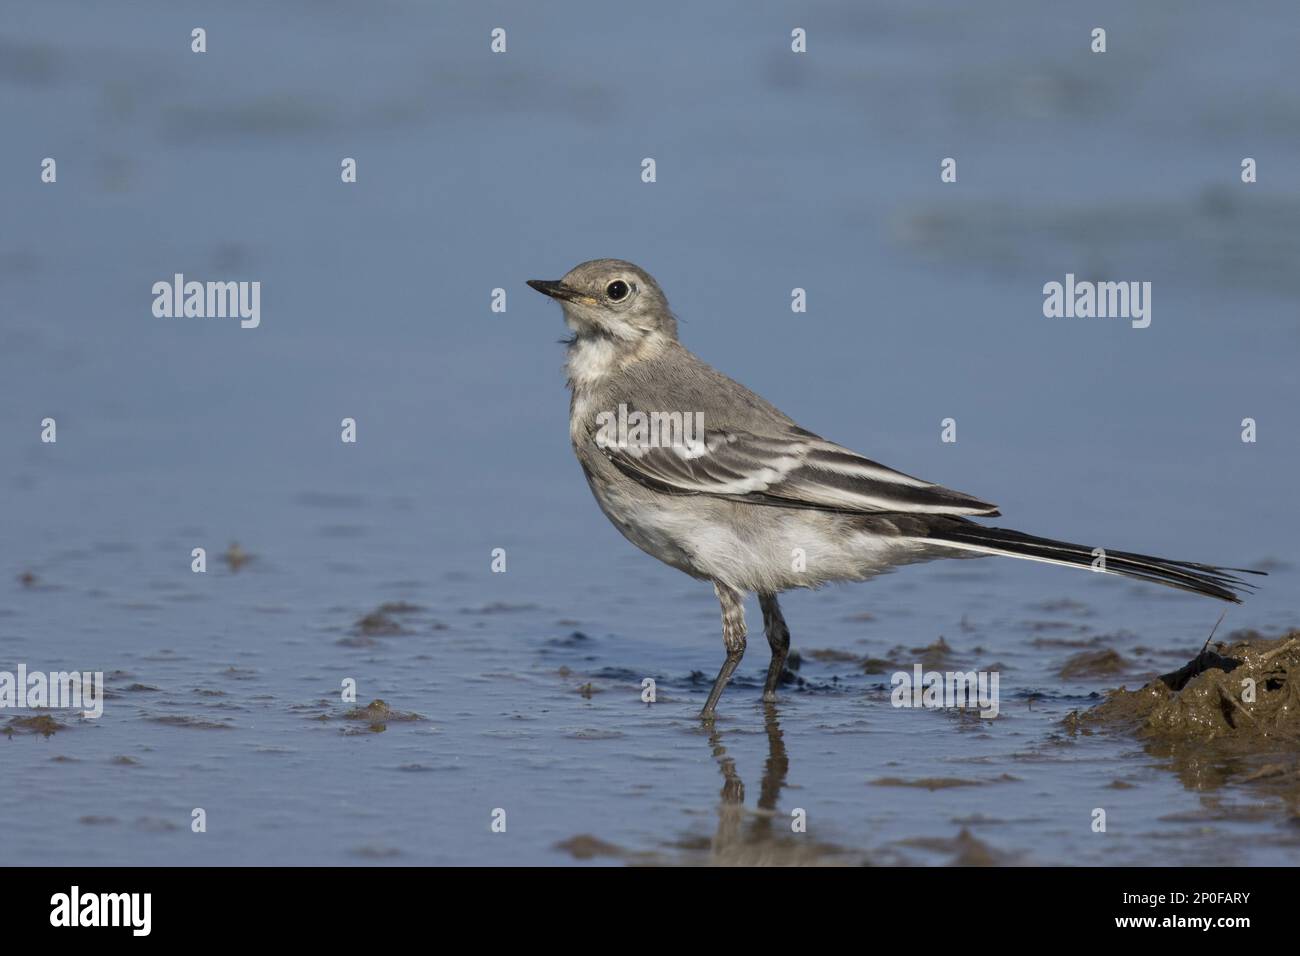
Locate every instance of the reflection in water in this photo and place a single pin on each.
(765, 835)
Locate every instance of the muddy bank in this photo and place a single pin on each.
(1229, 715)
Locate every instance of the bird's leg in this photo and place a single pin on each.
(778, 636)
(733, 638)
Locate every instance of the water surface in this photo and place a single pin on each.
(479, 171)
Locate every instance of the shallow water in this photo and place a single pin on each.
(479, 171)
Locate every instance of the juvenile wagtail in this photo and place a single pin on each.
(739, 495)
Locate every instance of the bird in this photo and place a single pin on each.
(739, 495)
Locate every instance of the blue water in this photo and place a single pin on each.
(478, 171)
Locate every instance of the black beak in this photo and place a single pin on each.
(556, 290)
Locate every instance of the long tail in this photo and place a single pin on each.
(1207, 579)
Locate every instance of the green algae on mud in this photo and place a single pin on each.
(378, 710)
(1230, 715)
(377, 715)
(42, 724)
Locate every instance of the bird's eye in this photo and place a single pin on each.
(617, 290)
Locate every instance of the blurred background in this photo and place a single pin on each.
(476, 170)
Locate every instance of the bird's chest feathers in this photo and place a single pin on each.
(594, 364)
(590, 361)
(582, 415)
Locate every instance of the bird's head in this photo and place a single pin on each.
(613, 299)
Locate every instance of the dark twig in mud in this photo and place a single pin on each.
(1202, 662)
(1213, 630)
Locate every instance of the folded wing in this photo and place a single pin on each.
(795, 469)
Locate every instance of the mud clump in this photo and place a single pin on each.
(236, 557)
(1245, 691)
(877, 665)
(42, 724)
(1094, 664)
(187, 720)
(382, 622)
(584, 846)
(378, 710)
(934, 655)
(377, 715)
(378, 622)
(1229, 715)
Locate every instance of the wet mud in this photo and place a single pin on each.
(1230, 715)
(377, 715)
(42, 724)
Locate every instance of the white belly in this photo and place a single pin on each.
(749, 547)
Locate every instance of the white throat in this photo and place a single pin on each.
(594, 357)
